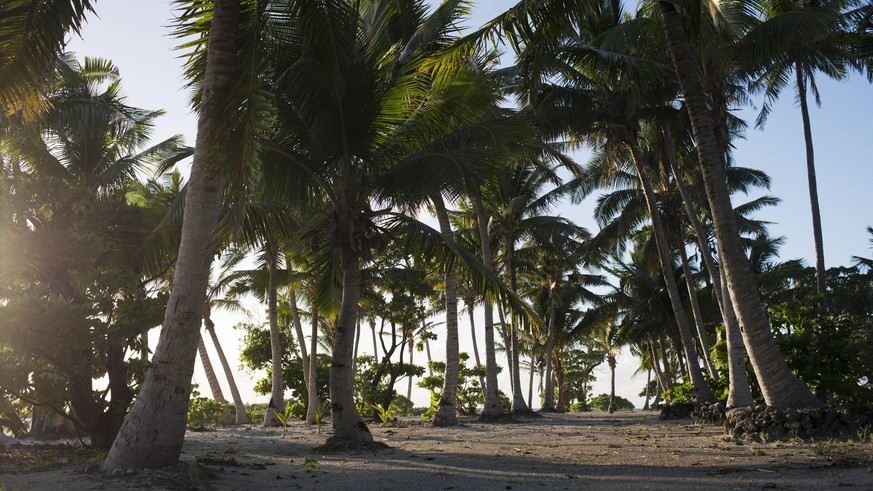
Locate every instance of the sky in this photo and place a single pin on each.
(137, 37)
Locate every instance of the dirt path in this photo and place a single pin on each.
(573, 451)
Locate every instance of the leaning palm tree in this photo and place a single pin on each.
(153, 431)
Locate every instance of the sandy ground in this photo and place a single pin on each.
(571, 451)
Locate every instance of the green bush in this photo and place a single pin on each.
(602, 402)
(203, 411)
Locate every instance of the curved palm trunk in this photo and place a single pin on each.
(705, 344)
(411, 351)
(779, 386)
(820, 271)
(242, 416)
(313, 402)
(226, 417)
(277, 396)
(447, 413)
(372, 321)
(648, 387)
(739, 392)
(549, 397)
(347, 423)
(153, 431)
(298, 330)
(492, 403)
(701, 391)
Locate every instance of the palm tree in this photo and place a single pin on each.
(779, 386)
(153, 431)
(816, 44)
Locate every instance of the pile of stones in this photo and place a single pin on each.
(764, 423)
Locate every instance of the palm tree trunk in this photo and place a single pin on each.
(530, 380)
(427, 351)
(357, 342)
(492, 403)
(518, 404)
(739, 392)
(447, 413)
(611, 361)
(705, 344)
(780, 387)
(549, 397)
(347, 423)
(648, 387)
(277, 396)
(298, 330)
(242, 416)
(225, 418)
(375, 344)
(313, 402)
(820, 271)
(476, 347)
(411, 351)
(153, 431)
(701, 391)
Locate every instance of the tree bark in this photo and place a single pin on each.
(820, 271)
(699, 389)
(226, 417)
(476, 348)
(705, 344)
(518, 404)
(447, 413)
(549, 397)
(313, 402)
(610, 359)
(780, 387)
(242, 416)
(298, 330)
(347, 423)
(152, 433)
(492, 403)
(277, 396)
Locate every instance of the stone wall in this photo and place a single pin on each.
(765, 423)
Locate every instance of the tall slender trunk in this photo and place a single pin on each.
(531, 379)
(518, 404)
(372, 321)
(476, 347)
(648, 388)
(659, 375)
(277, 396)
(447, 413)
(610, 359)
(347, 423)
(492, 403)
(153, 432)
(700, 390)
(357, 343)
(820, 271)
(702, 336)
(242, 416)
(226, 417)
(549, 397)
(313, 402)
(427, 349)
(780, 387)
(739, 392)
(298, 330)
(411, 351)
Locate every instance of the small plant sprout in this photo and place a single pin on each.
(284, 417)
(309, 465)
(383, 413)
(319, 417)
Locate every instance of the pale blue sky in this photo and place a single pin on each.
(135, 35)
